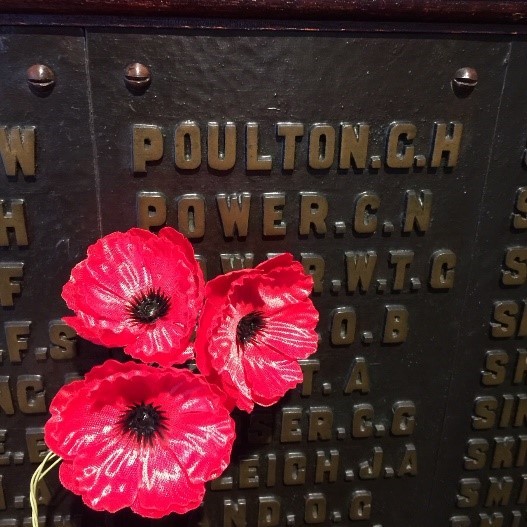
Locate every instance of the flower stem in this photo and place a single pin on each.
(38, 475)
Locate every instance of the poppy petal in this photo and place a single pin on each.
(165, 344)
(68, 477)
(201, 446)
(164, 486)
(107, 475)
(269, 374)
(291, 330)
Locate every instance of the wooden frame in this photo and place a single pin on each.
(464, 11)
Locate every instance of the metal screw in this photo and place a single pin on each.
(464, 81)
(40, 77)
(137, 76)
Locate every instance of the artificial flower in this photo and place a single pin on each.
(132, 435)
(255, 325)
(140, 291)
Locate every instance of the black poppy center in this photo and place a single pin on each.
(249, 326)
(143, 421)
(148, 307)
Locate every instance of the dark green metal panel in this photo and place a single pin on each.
(443, 275)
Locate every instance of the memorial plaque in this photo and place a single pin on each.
(495, 474)
(48, 216)
(391, 165)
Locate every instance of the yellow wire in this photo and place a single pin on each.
(38, 475)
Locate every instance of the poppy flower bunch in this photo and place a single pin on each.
(148, 435)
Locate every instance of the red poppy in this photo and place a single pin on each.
(255, 325)
(131, 435)
(138, 290)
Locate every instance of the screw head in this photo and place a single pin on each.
(464, 81)
(137, 76)
(40, 77)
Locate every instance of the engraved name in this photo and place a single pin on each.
(345, 146)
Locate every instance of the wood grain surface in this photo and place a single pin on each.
(464, 11)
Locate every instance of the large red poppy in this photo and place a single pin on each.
(136, 436)
(255, 325)
(138, 290)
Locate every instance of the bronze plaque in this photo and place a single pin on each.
(399, 186)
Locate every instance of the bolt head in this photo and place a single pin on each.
(137, 76)
(464, 81)
(40, 77)
(466, 75)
